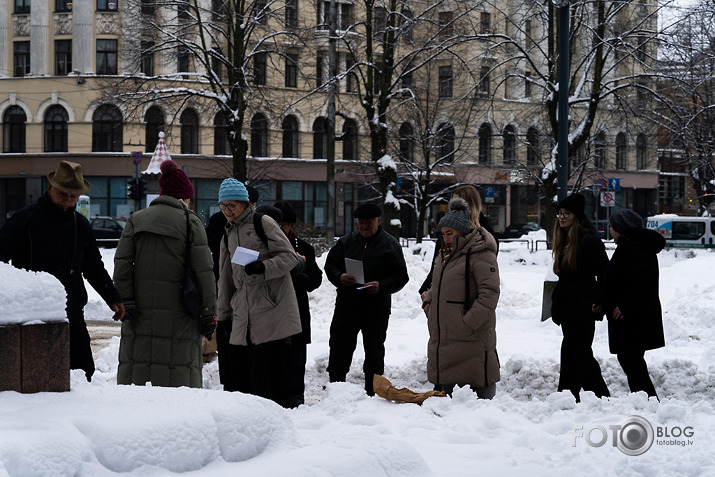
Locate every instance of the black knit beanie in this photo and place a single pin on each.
(625, 221)
(574, 203)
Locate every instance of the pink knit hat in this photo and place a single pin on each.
(174, 182)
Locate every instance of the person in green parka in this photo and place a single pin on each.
(160, 342)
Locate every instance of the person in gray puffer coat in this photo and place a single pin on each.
(460, 307)
(160, 342)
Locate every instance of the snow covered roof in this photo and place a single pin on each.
(161, 154)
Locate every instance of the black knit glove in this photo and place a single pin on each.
(255, 268)
(130, 311)
(223, 329)
(208, 326)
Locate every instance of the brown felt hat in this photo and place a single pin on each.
(69, 179)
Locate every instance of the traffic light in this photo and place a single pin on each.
(132, 190)
(141, 188)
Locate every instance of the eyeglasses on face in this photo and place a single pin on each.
(227, 206)
(563, 213)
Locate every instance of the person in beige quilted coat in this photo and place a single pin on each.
(257, 299)
(460, 307)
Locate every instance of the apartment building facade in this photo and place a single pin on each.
(58, 59)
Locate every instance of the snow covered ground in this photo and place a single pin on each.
(100, 428)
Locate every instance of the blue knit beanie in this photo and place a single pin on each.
(231, 189)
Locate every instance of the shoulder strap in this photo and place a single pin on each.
(188, 237)
(467, 280)
(258, 226)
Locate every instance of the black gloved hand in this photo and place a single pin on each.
(130, 311)
(255, 267)
(208, 326)
(223, 329)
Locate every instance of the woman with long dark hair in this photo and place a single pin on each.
(580, 261)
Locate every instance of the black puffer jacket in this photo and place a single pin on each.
(42, 237)
(577, 290)
(382, 262)
(305, 280)
(632, 286)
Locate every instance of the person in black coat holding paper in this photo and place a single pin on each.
(363, 307)
(632, 305)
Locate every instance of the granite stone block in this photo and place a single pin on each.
(10, 358)
(46, 357)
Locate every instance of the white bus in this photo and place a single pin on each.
(684, 232)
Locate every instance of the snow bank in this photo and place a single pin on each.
(30, 297)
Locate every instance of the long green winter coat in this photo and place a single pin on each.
(462, 346)
(162, 346)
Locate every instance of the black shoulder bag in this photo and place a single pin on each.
(191, 293)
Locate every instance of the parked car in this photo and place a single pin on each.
(107, 230)
(603, 229)
(517, 229)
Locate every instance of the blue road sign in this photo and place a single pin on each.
(614, 183)
(488, 191)
(137, 157)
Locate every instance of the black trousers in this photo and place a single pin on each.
(80, 348)
(579, 369)
(636, 369)
(259, 369)
(344, 330)
(222, 335)
(295, 372)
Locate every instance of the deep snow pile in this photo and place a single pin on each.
(100, 428)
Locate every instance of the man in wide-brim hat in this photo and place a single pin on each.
(51, 236)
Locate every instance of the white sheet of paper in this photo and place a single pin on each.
(354, 268)
(244, 256)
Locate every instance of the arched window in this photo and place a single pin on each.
(407, 142)
(14, 129)
(221, 145)
(621, 147)
(445, 144)
(509, 137)
(641, 152)
(189, 132)
(320, 138)
(599, 151)
(349, 140)
(290, 136)
(56, 119)
(259, 136)
(577, 157)
(107, 129)
(532, 146)
(485, 144)
(154, 125)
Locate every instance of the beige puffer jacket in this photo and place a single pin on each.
(265, 302)
(462, 346)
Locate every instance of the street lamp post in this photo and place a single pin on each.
(332, 69)
(562, 166)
